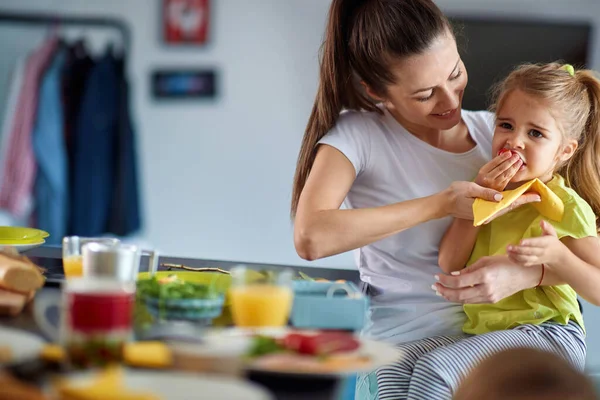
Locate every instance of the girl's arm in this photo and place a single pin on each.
(456, 245)
(579, 266)
(574, 261)
(458, 242)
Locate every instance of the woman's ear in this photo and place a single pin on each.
(568, 150)
(371, 93)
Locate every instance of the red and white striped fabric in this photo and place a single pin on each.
(19, 165)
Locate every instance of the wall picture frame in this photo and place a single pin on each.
(180, 83)
(186, 22)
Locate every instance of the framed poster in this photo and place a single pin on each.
(184, 83)
(186, 21)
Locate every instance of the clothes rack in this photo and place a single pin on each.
(85, 116)
(60, 19)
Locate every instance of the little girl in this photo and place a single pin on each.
(548, 121)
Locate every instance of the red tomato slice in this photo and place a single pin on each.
(320, 344)
(293, 341)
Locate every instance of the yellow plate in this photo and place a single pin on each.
(21, 235)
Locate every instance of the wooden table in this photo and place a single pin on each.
(281, 386)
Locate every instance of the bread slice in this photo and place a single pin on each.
(12, 389)
(19, 274)
(12, 303)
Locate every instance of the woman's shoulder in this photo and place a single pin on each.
(355, 119)
(358, 127)
(353, 135)
(481, 121)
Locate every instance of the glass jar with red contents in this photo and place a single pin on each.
(97, 320)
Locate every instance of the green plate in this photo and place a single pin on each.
(21, 235)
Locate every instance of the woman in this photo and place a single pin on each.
(401, 163)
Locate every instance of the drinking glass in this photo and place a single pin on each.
(72, 255)
(261, 299)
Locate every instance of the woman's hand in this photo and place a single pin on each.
(546, 249)
(461, 195)
(497, 173)
(488, 280)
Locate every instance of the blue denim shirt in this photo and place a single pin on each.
(51, 190)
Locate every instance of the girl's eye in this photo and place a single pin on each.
(535, 133)
(505, 125)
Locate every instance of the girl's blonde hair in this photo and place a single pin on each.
(575, 104)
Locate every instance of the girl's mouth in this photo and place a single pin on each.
(512, 152)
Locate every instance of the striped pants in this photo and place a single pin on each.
(433, 368)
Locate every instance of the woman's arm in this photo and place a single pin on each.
(321, 229)
(457, 245)
(490, 279)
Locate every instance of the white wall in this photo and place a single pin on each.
(216, 176)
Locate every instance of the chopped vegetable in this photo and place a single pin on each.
(305, 276)
(172, 288)
(262, 345)
(320, 345)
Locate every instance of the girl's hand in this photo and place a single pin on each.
(497, 173)
(546, 249)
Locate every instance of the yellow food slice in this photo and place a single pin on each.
(151, 354)
(108, 384)
(551, 205)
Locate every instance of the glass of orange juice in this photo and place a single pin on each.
(72, 258)
(260, 299)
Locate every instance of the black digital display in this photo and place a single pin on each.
(184, 83)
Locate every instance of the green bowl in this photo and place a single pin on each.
(220, 281)
(185, 309)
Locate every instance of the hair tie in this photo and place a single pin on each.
(569, 68)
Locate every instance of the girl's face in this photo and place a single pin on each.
(429, 87)
(526, 126)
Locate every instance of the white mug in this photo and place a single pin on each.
(119, 261)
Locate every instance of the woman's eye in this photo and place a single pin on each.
(458, 74)
(505, 125)
(423, 99)
(535, 133)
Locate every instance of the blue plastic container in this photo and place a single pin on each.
(328, 305)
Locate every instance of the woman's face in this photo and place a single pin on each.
(429, 87)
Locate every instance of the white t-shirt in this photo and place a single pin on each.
(391, 166)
